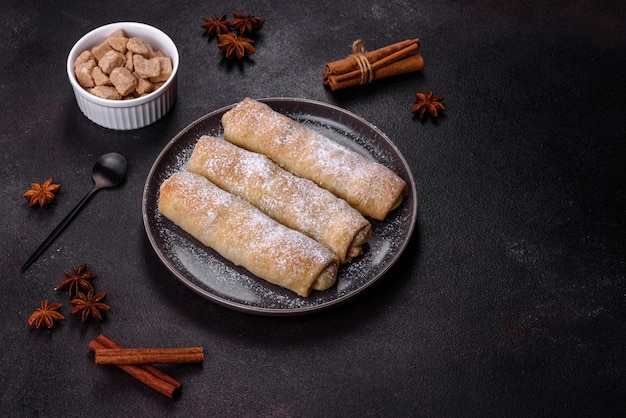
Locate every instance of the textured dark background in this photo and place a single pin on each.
(510, 299)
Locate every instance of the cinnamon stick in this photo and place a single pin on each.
(149, 375)
(149, 355)
(399, 58)
(348, 64)
(109, 343)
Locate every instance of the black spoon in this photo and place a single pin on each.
(109, 171)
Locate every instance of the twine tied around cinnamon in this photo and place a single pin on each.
(358, 53)
(364, 67)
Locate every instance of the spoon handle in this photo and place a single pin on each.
(56, 231)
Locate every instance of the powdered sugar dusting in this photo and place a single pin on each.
(293, 201)
(211, 275)
(364, 183)
(243, 234)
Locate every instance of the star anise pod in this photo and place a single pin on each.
(46, 315)
(428, 103)
(89, 306)
(76, 280)
(235, 46)
(246, 24)
(216, 25)
(42, 194)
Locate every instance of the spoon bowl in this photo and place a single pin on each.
(108, 171)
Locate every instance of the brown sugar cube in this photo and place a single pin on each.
(106, 92)
(138, 46)
(83, 58)
(123, 80)
(146, 68)
(129, 61)
(118, 43)
(158, 85)
(143, 86)
(118, 32)
(166, 69)
(100, 50)
(83, 73)
(111, 60)
(158, 54)
(99, 77)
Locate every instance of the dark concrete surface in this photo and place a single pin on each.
(509, 300)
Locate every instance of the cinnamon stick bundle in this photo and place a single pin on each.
(363, 67)
(147, 374)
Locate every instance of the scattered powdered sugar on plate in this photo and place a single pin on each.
(217, 279)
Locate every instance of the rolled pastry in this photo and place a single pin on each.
(370, 187)
(246, 236)
(293, 201)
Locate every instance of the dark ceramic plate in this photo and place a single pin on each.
(217, 279)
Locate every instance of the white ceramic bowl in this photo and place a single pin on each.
(132, 113)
